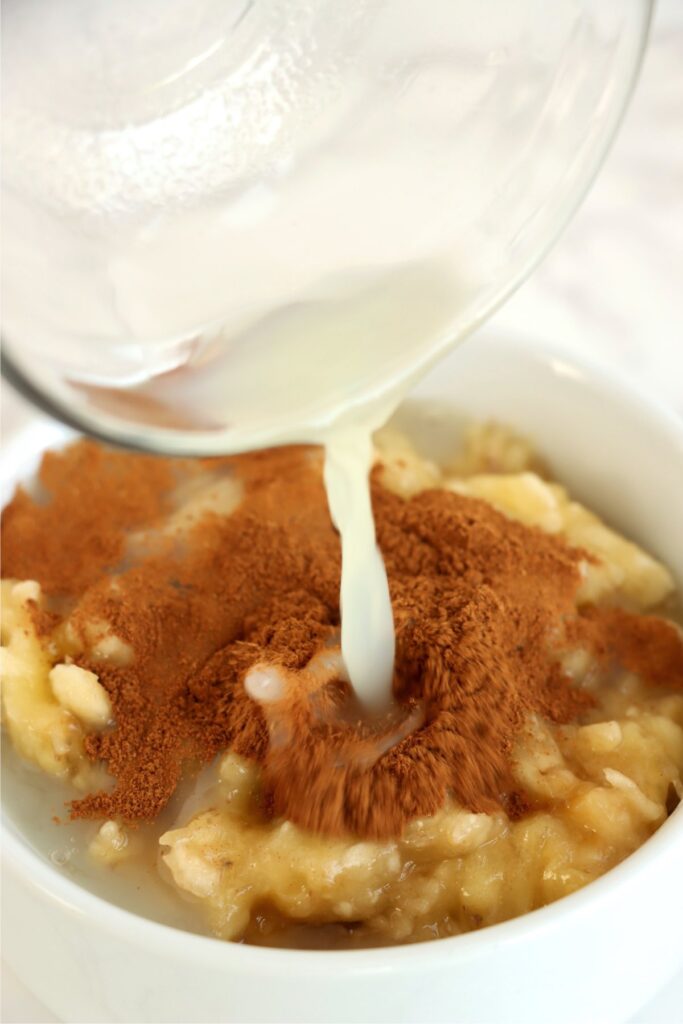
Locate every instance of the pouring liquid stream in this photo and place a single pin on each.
(367, 631)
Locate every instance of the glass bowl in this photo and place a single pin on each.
(229, 224)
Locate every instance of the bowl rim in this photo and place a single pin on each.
(49, 883)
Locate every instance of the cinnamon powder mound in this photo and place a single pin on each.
(79, 532)
(483, 606)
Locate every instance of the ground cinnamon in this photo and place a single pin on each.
(482, 605)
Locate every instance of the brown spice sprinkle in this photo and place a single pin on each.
(482, 605)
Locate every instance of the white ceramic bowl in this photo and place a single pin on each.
(595, 956)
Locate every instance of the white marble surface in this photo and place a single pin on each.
(613, 286)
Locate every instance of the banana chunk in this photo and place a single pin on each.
(81, 693)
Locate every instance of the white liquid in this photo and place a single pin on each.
(367, 619)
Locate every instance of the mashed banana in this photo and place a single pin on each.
(603, 787)
(600, 788)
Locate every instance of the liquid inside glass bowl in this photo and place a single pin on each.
(228, 224)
